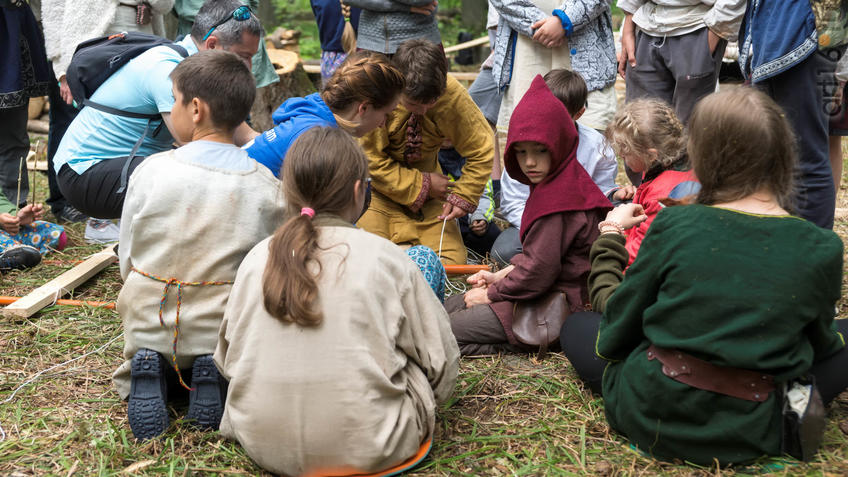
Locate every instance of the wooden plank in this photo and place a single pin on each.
(464, 75)
(33, 164)
(59, 286)
(468, 44)
(312, 68)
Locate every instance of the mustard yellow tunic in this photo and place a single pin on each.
(401, 210)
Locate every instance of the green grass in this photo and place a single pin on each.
(510, 415)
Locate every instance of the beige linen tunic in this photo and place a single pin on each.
(359, 390)
(188, 221)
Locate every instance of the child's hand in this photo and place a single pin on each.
(628, 215)
(476, 296)
(479, 227)
(625, 193)
(549, 32)
(440, 186)
(482, 279)
(30, 213)
(425, 9)
(10, 223)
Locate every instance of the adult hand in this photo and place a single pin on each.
(483, 278)
(10, 223)
(712, 40)
(440, 186)
(625, 193)
(65, 90)
(479, 227)
(628, 215)
(549, 32)
(451, 212)
(426, 9)
(628, 46)
(477, 296)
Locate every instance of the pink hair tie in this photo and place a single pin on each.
(307, 211)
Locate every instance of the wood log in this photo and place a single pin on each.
(38, 126)
(293, 82)
(45, 294)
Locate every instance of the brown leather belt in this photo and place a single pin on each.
(734, 382)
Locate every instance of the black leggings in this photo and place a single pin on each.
(95, 191)
(580, 332)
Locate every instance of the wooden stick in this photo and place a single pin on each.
(8, 300)
(468, 44)
(52, 290)
(464, 269)
(18, 196)
(32, 180)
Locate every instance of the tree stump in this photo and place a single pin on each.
(293, 82)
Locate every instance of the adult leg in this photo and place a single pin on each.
(650, 78)
(831, 378)
(14, 145)
(61, 115)
(506, 246)
(798, 91)
(577, 338)
(695, 69)
(477, 329)
(95, 191)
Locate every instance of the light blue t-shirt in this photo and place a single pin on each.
(140, 86)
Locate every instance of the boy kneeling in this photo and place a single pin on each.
(189, 218)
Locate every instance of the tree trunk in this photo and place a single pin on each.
(293, 82)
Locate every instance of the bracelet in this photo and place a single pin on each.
(611, 223)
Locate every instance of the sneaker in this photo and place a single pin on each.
(69, 214)
(101, 231)
(209, 391)
(19, 257)
(146, 409)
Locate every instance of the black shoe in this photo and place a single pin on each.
(209, 391)
(69, 214)
(19, 257)
(146, 410)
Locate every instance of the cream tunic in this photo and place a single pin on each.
(186, 220)
(359, 390)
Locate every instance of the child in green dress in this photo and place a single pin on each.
(729, 304)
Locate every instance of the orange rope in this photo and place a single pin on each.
(110, 305)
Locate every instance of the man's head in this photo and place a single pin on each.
(425, 70)
(570, 89)
(221, 24)
(213, 90)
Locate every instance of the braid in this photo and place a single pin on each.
(363, 77)
(647, 124)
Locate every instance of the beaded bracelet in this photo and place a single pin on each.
(611, 223)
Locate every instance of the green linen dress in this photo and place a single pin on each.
(735, 289)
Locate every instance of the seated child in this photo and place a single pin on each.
(559, 224)
(729, 304)
(592, 153)
(357, 98)
(412, 198)
(336, 350)
(190, 217)
(24, 237)
(650, 139)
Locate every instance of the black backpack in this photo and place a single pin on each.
(95, 60)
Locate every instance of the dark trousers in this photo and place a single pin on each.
(506, 246)
(14, 145)
(799, 91)
(580, 331)
(480, 244)
(679, 70)
(61, 116)
(95, 192)
(477, 329)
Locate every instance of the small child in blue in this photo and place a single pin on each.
(24, 237)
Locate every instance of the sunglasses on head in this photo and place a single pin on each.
(240, 14)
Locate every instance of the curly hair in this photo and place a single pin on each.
(646, 124)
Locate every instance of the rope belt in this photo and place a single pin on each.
(180, 284)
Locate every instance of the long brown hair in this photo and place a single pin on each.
(364, 77)
(320, 171)
(740, 142)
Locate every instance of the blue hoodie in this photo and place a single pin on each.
(293, 117)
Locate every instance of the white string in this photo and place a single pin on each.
(454, 289)
(442, 236)
(51, 368)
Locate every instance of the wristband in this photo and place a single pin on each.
(566, 22)
(611, 223)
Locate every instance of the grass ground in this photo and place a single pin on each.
(511, 415)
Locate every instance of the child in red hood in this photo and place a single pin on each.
(559, 224)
